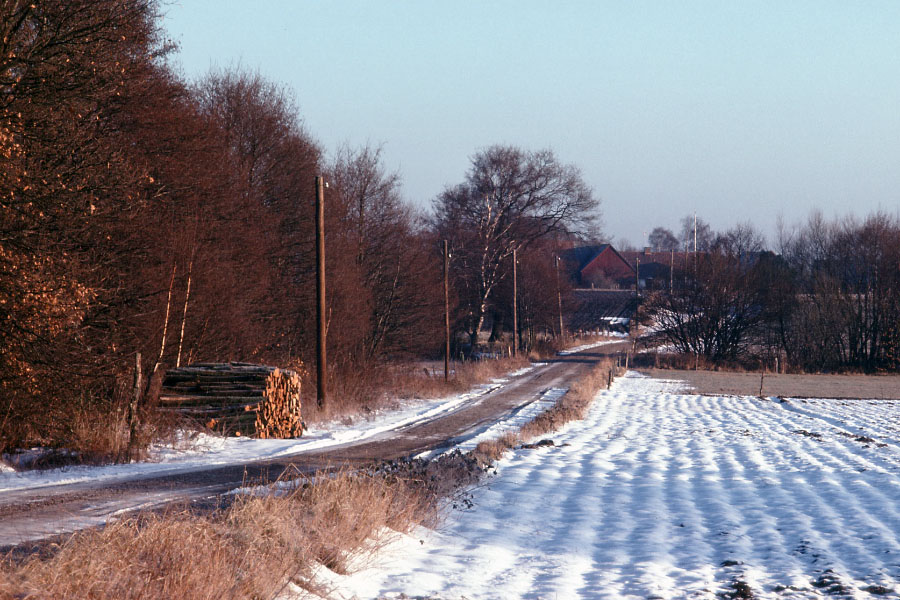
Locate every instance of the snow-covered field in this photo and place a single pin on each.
(663, 494)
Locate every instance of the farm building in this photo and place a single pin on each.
(600, 266)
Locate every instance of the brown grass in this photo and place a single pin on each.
(259, 544)
(491, 451)
(250, 550)
(573, 406)
(669, 360)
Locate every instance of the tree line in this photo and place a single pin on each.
(827, 300)
(142, 213)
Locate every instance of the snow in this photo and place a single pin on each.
(587, 346)
(664, 494)
(204, 451)
(511, 423)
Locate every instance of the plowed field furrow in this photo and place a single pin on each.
(659, 493)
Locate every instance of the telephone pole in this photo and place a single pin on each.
(637, 277)
(696, 263)
(321, 373)
(446, 313)
(559, 298)
(672, 272)
(515, 308)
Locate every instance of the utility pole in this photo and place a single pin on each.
(321, 373)
(559, 298)
(695, 232)
(672, 272)
(637, 277)
(695, 243)
(515, 308)
(446, 313)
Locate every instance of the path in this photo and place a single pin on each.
(33, 514)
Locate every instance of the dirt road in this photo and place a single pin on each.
(34, 514)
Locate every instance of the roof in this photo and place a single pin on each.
(608, 251)
(579, 256)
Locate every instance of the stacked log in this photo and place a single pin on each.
(226, 397)
(278, 415)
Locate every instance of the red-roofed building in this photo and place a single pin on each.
(607, 269)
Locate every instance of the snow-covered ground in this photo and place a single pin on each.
(662, 494)
(206, 450)
(588, 346)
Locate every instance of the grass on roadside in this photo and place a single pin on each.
(249, 550)
(260, 543)
(573, 406)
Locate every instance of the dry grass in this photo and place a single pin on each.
(250, 550)
(493, 450)
(573, 406)
(259, 544)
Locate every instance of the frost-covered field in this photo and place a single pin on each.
(659, 493)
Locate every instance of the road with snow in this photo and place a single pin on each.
(663, 494)
(38, 504)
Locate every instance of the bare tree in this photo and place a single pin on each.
(720, 305)
(662, 240)
(392, 268)
(694, 228)
(510, 198)
(264, 236)
(848, 305)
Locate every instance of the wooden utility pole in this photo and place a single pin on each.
(672, 273)
(637, 276)
(559, 298)
(515, 308)
(696, 262)
(446, 312)
(321, 373)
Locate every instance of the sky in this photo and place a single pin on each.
(740, 111)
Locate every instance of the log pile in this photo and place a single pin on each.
(278, 415)
(235, 398)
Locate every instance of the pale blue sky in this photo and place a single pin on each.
(740, 111)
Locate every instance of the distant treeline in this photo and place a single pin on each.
(828, 300)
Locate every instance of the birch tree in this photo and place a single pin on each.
(510, 198)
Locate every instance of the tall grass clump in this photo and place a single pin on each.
(252, 549)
